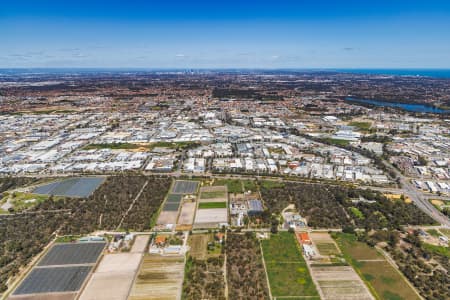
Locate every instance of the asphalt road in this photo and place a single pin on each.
(418, 198)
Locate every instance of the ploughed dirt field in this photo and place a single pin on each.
(340, 283)
(160, 277)
(113, 277)
(187, 213)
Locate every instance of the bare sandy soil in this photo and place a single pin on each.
(167, 217)
(140, 243)
(114, 286)
(113, 277)
(187, 213)
(211, 216)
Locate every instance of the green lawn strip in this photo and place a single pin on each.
(270, 184)
(174, 145)
(212, 195)
(381, 278)
(114, 146)
(67, 238)
(233, 185)
(362, 126)
(286, 268)
(208, 205)
(337, 142)
(22, 201)
(433, 232)
(445, 251)
(150, 146)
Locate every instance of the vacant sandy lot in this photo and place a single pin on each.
(119, 262)
(113, 277)
(187, 213)
(167, 217)
(211, 217)
(160, 277)
(114, 286)
(140, 242)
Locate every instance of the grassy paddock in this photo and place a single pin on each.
(286, 268)
(233, 185)
(362, 126)
(269, 184)
(382, 279)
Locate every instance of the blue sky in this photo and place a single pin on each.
(225, 34)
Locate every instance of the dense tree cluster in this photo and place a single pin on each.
(339, 206)
(204, 279)
(385, 212)
(110, 202)
(8, 183)
(22, 236)
(147, 205)
(315, 202)
(431, 279)
(245, 270)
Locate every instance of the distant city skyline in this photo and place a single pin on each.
(225, 34)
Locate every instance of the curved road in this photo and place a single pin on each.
(418, 197)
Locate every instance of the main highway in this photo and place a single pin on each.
(417, 196)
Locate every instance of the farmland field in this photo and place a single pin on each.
(210, 217)
(198, 244)
(286, 268)
(187, 213)
(339, 282)
(53, 279)
(324, 243)
(381, 277)
(67, 254)
(207, 205)
(64, 268)
(160, 277)
(113, 277)
(213, 194)
(185, 187)
(73, 187)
